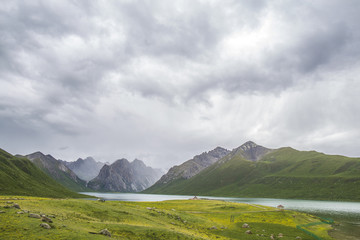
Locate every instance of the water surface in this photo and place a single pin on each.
(314, 206)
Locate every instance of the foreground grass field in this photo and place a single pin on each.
(180, 219)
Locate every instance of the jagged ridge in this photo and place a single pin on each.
(58, 171)
(123, 176)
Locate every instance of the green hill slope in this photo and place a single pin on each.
(18, 176)
(58, 171)
(281, 173)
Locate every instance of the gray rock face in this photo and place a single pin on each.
(57, 170)
(123, 176)
(249, 150)
(85, 169)
(252, 151)
(193, 166)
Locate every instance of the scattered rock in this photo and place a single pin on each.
(105, 232)
(280, 235)
(172, 223)
(21, 212)
(101, 200)
(8, 202)
(149, 208)
(33, 215)
(7, 206)
(2, 211)
(45, 225)
(248, 232)
(51, 216)
(272, 237)
(213, 227)
(298, 238)
(173, 210)
(46, 219)
(15, 205)
(245, 225)
(26, 211)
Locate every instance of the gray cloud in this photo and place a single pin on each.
(169, 80)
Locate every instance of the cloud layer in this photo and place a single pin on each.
(164, 81)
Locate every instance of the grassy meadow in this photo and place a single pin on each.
(178, 219)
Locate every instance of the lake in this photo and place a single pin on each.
(314, 206)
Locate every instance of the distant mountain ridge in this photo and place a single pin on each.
(191, 167)
(255, 171)
(86, 169)
(58, 171)
(125, 176)
(19, 176)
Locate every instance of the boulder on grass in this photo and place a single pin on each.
(33, 215)
(45, 225)
(105, 232)
(245, 225)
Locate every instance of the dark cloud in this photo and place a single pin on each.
(162, 79)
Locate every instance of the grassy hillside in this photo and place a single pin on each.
(282, 173)
(63, 177)
(180, 219)
(21, 177)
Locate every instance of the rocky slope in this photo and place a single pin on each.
(125, 176)
(85, 169)
(191, 167)
(249, 151)
(58, 171)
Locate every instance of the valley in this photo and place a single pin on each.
(176, 219)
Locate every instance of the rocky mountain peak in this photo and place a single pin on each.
(57, 169)
(252, 151)
(123, 176)
(138, 163)
(248, 144)
(218, 152)
(121, 162)
(86, 169)
(193, 166)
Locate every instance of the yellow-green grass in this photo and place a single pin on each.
(179, 219)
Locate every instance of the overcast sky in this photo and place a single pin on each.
(163, 81)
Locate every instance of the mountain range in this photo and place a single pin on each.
(249, 170)
(58, 171)
(191, 167)
(255, 171)
(85, 169)
(19, 176)
(125, 176)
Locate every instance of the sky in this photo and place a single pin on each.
(163, 81)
